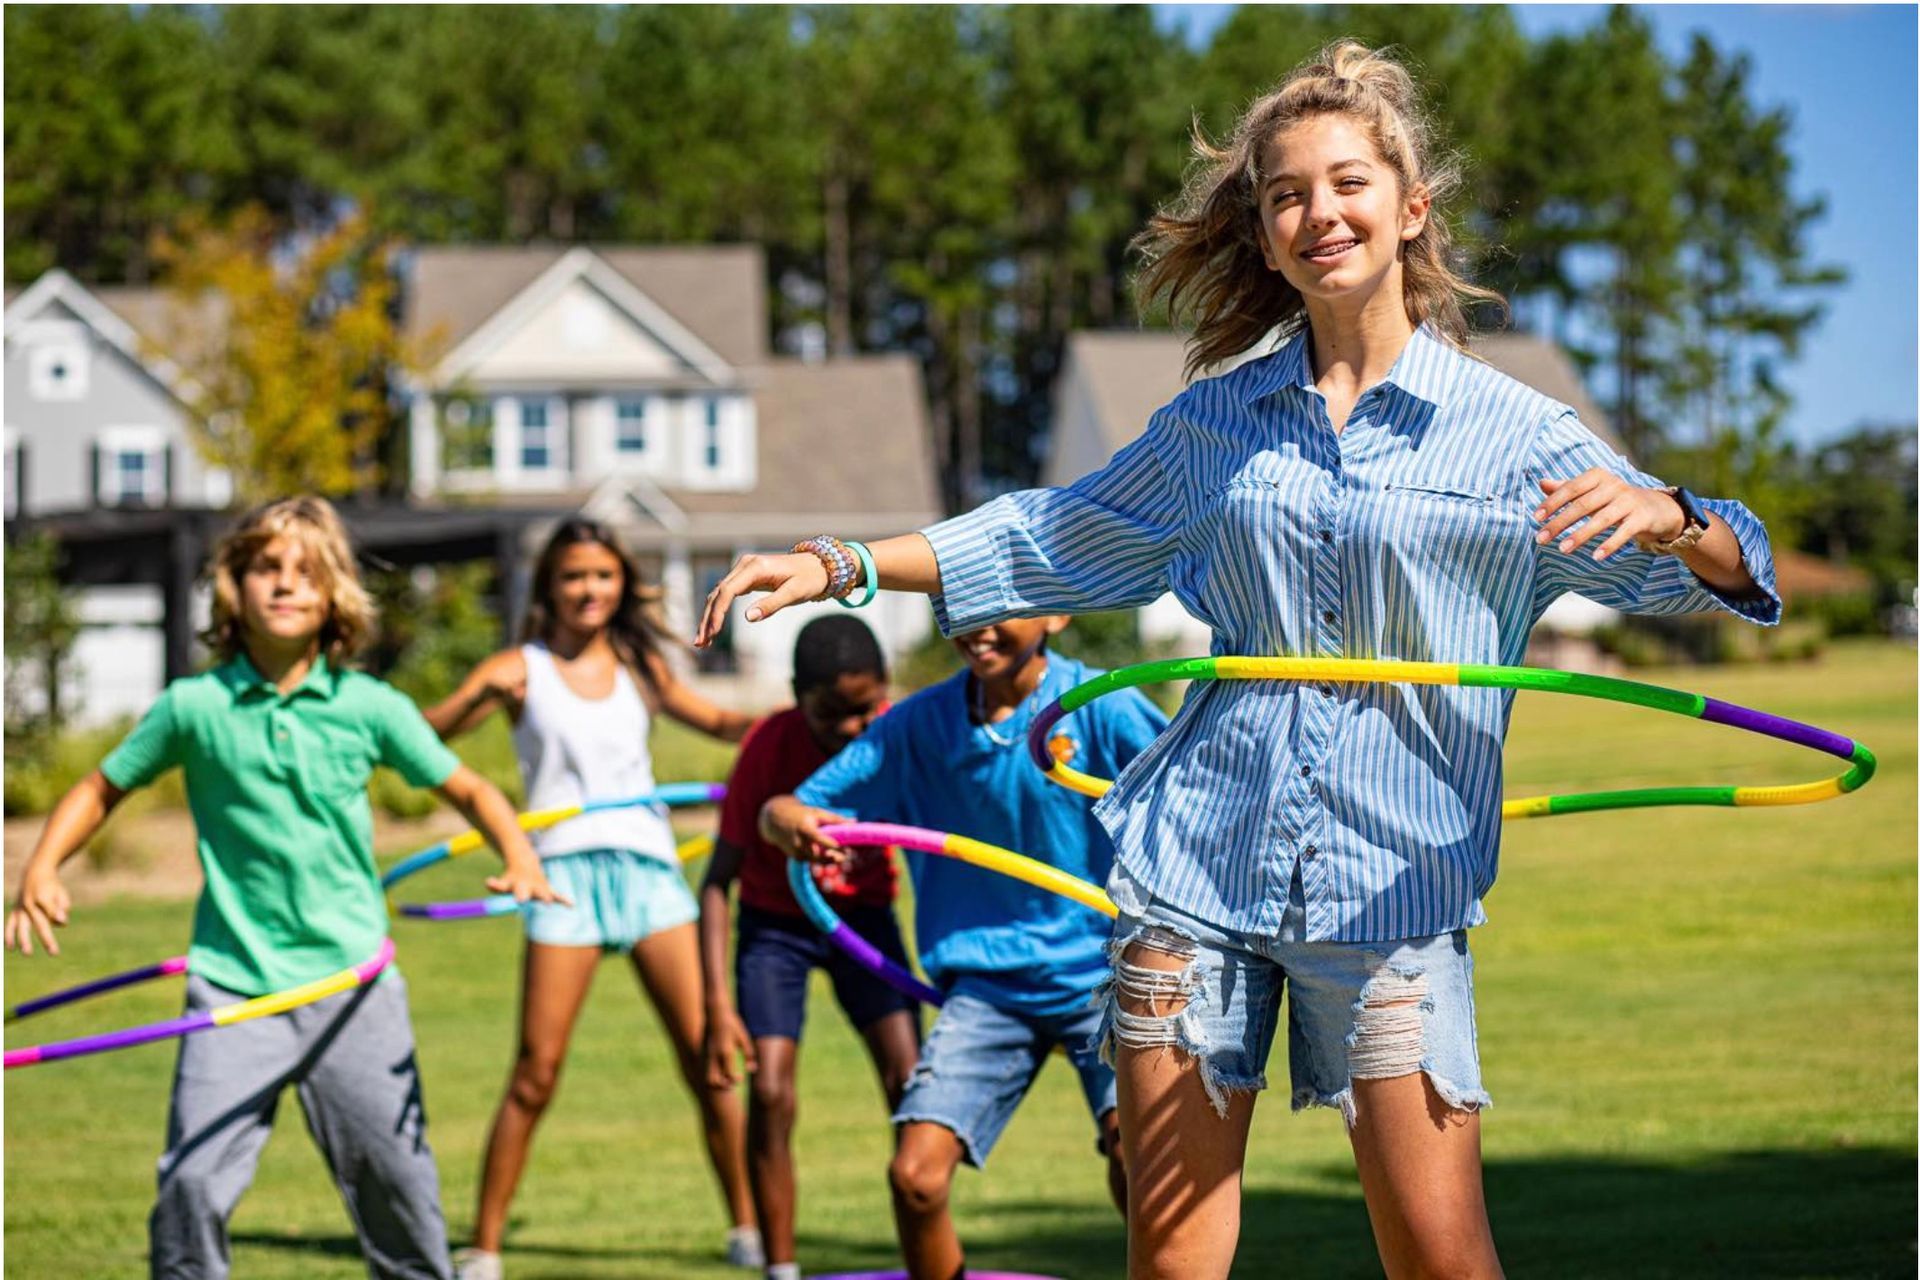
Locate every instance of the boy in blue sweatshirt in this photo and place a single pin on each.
(1018, 965)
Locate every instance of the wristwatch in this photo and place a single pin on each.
(1695, 528)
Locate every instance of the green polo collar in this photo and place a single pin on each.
(244, 679)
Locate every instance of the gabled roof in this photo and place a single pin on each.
(136, 322)
(1131, 373)
(715, 293)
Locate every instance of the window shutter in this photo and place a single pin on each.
(166, 474)
(93, 472)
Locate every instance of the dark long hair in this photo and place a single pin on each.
(636, 629)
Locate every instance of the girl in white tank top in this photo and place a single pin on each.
(574, 749)
(582, 691)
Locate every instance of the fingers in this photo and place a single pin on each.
(746, 573)
(788, 579)
(17, 932)
(790, 592)
(1613, 515)
(749, 1055)
(1621, 536)
(1575, 502)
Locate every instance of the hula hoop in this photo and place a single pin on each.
(503, 904)
(972, 1274)
(1606, 688)
(99, 986)
(188, 1024)
(978, 853)
(672, 795)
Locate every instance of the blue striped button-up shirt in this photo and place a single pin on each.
(1408, 535)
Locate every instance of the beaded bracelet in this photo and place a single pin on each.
(839, 563)
(872, 578)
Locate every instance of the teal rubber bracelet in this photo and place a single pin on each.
(873, 577)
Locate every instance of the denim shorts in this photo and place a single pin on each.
(777, 954)
(619, 897)
(979, 1061)
(1356, 1010)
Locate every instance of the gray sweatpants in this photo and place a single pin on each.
(350, 1057)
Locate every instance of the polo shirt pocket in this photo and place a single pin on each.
(335, 768)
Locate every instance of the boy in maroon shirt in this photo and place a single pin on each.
(840, 685)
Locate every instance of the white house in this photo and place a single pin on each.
(98, 420)
(636, 383)
(1112, 381)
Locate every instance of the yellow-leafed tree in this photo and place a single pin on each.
(287, 344)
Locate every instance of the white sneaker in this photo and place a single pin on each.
(477, 1264)
(744, 1249)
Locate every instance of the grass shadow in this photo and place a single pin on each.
(1767, 1213)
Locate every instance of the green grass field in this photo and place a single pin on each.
(1698, 1027)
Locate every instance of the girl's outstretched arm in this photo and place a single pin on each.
(498, 681)
(905, 563)
(42, 901)
(692, 710)
(483, 805)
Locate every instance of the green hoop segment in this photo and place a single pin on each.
(1539, 679)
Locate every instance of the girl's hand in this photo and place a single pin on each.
(1606, 501)
(42, 904)
(789, 579)
(527, 883)
(795, 828)
(726, 1036)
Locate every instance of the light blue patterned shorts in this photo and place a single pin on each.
(1357, 1010)
(619, 897)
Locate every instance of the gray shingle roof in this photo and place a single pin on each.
(717, 291)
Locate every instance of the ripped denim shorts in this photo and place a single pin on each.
(1356, 1010)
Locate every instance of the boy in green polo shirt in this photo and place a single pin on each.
(277, 743)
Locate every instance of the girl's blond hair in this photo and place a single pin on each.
(1203, 251)
(316, 526)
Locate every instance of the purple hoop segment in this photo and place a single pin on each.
(205, 1019)
(99, 986)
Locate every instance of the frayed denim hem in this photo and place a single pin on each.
(1177, 1028)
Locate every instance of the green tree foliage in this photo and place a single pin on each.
(41, 627)
(958, 181)
(293, 395)
(1860, 503)
(114, 126)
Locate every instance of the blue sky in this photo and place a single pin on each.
(1847, 74)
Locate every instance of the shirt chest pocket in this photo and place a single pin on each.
(334, 764)
(1268, 496)
(1435, 522)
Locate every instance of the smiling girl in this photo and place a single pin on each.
(581, 692)
(1364, 488)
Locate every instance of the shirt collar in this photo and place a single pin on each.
(240, 675)
(1424, 368)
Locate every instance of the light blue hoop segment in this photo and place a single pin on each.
(672, 795)
(840, 934)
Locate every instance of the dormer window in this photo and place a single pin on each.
(58, 371)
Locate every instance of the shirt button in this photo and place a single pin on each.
(1306, 771)
(1326, 535)
(1327, 689)
(1328, 617)
(1310, 851)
